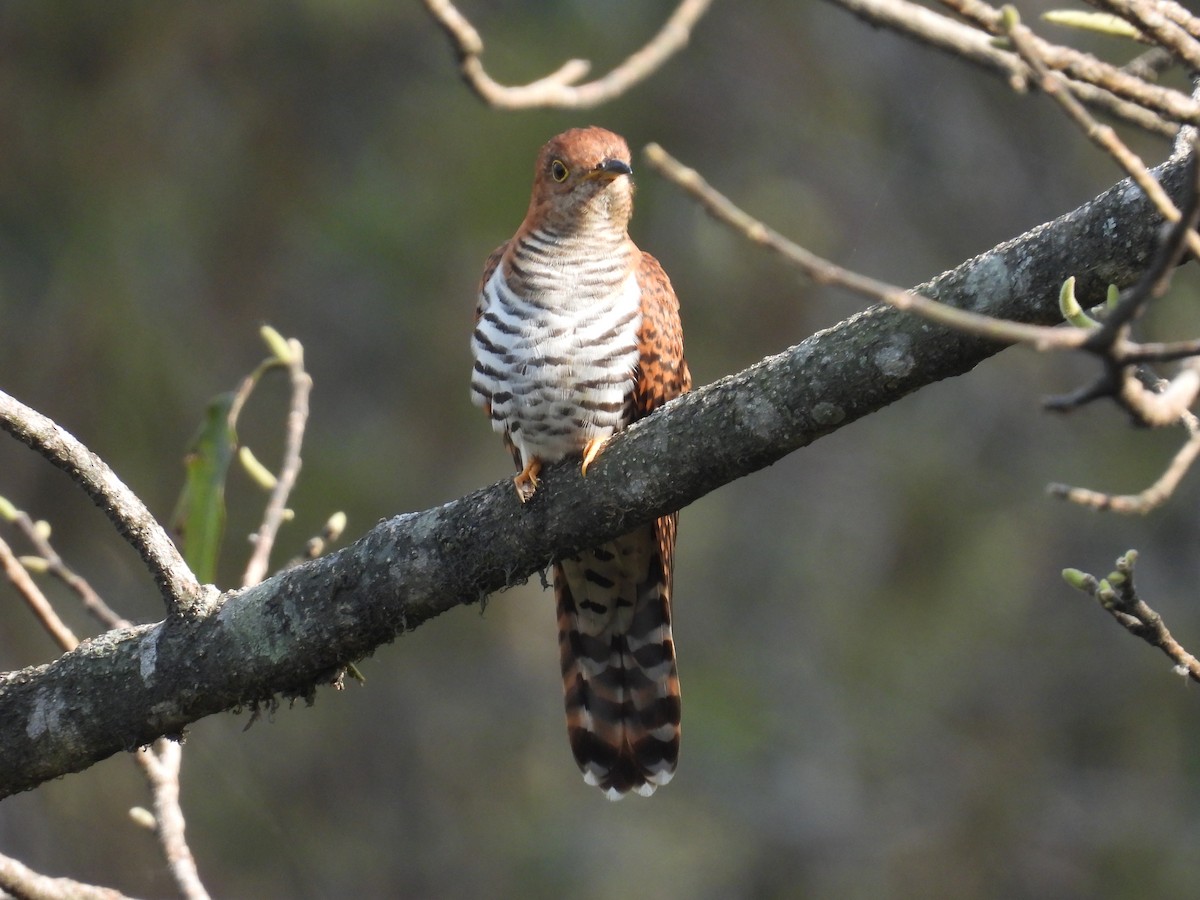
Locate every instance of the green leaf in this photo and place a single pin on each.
(37, 565)
(260, 474)
(1101, 23)
(199, 520)
(1079, 580)
(1070, 308)
(277, 344)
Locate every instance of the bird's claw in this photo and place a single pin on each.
(590, 451)
(527, 481)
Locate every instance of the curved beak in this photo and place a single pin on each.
(610, 169)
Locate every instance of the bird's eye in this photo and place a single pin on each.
(558, 170)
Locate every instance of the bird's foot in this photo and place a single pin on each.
(590, 451)
(527, 481)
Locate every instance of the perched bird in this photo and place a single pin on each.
(577, 335)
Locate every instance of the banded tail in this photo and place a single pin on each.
(618, 660)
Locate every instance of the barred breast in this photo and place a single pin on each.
(556, 342)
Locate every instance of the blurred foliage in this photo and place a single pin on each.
(889, 691)
(198, 522)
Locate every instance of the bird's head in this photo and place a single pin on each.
(582, 178)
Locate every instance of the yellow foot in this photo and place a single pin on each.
(590, 451)
(526, 483)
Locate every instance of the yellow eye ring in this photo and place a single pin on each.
(559, 170)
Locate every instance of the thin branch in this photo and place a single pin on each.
(1083, 67)
(316, 545)
(1154, 282)
(92, 601)
(822, 271)
(161, 766)
(1166, 405)
(1117, 595)
(1056, 87)
(969, 43)
(1169, 351)
(1149, 499)
(264, 539)
(18, 880)
(1149, 65)
(182, 593)
(1108, 340)
(42, 609)
(558, 90)
(1151, 20)
(1181, 16)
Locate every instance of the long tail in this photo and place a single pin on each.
(618, 660)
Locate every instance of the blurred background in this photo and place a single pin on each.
(888, 689)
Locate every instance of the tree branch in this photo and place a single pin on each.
(182, 593)
(291, 354)
(1120, 599)
(558, 89)
(294, 631)
(1152, 497)
(161, 764)
(1095, 83)
(27, 884)
(1056, 87)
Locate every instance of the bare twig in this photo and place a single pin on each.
(1109, 341)
(1105, 137)
(822, 271)
(182, 593)
(92, 601)
(160, 764)
(1118, 596)
(316, 545)
(1153, 496)
(1083, 67)
(273, 515)
(161, 767)
(970, 43)
(558, 90)
(1181, 16)
(1149, 65)
(34, 598)
(18, 880)
(1160, 408)
(1157, 277)
(1151, 19)
(1169, 351)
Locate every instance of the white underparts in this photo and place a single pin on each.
(555, 361)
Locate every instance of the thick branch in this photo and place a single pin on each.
(292, 632)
